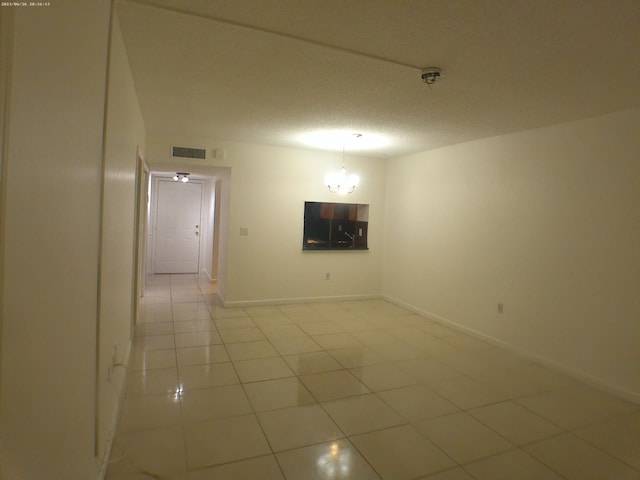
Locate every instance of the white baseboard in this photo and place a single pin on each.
(287, 301)
(560, 367)
(220, 297)
(104, 465)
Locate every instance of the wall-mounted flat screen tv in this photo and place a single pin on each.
(335, 226)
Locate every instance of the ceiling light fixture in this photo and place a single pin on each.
(181, 177)
(431, 75)
(340, 182)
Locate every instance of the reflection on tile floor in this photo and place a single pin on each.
(349, 390)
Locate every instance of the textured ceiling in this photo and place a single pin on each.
(272, 71)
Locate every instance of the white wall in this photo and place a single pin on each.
(6, 38)
(207, 228)
(51, 241)
(266, 193)
(546, 222)
(124, 136)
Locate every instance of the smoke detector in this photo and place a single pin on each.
(431, 75)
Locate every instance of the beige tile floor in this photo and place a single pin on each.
(349, 390)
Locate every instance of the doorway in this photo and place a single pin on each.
(178, 226)
(213, 225)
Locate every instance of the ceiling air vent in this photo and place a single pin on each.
(187, 152)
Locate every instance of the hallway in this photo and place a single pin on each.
(349, 390)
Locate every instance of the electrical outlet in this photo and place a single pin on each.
(501, 308)
(327, 276)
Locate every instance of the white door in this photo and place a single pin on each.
(178, 227)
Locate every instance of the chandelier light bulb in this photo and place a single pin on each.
(340, 182)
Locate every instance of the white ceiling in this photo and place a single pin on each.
(273, 71)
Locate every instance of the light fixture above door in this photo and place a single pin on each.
(181, 177)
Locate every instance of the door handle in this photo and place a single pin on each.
(197, 233)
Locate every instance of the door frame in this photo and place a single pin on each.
(152, 236)
(140, 238)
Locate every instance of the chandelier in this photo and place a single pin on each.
(340, 182)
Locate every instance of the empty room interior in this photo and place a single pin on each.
(305, 239)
